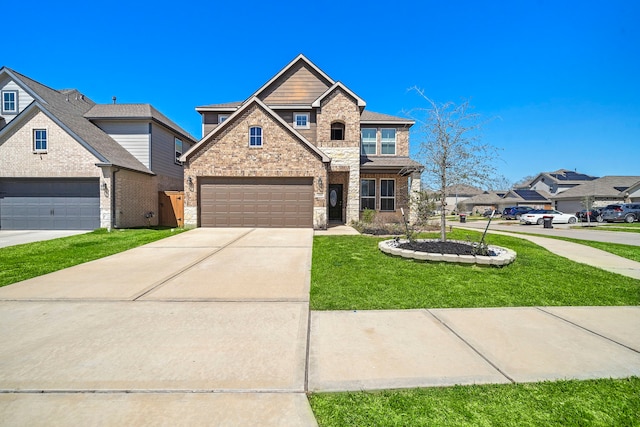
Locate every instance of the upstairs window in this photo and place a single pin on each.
(255, 136)
(368, 141)
(367, 194)
(388, 141)
(9, 101)
(387, 195)
(222, 118)
(337, 131)
(178, 146)
(301, 120)
(40, 142)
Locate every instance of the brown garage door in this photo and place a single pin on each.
(256, 202)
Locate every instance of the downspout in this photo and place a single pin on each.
(113, 198)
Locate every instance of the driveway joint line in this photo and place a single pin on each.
(486, 359)
(161, 282)
(587, 329)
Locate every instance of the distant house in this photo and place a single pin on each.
(69, 163)
(493, 200)
(556, 182)
(600, 192)
(457, 194)
(301, 151)
(537, 199)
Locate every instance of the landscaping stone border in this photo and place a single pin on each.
(504, 256)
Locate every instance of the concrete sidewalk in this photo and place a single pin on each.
(580, 253)
(212, 327)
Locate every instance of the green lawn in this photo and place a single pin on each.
(605, 402)
(35, 259)
(634, 227)
(351, 273)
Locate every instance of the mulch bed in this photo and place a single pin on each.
(453, 248)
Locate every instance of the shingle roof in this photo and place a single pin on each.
(607, 186)
(462, 190)
(134, 111)
(389, 162)
(69, 111)
(225, 105)
(370, 116)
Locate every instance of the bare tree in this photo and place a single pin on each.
(450, 148)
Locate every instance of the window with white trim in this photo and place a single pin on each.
(368, 141)
(40, 142)
(387, 195)
(388, 141)
(367, 194)
(9, 101)
(222, 118)
(178, 147)
(301, 120)
(255, 136)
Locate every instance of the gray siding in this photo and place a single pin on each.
(134, 136)
(163, 154)
(24, 99)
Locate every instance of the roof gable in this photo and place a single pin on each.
(238, 113)
(607, 186)
(299, 83)
(338, 85)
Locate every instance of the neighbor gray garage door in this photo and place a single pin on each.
(49, 204)
(256, 202)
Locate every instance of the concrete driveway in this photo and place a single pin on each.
(18, 237)
(206, 327)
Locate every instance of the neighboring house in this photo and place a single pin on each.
(487, 200)
(457, 194)
(536, 199)
(631, 194)
(599, 192)
(301, 151)
(69, 163)
(556, 182)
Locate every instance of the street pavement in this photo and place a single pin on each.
(212, 327)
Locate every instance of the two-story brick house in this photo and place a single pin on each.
(69, 163)
(301, 151)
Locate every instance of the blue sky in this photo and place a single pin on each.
(559, 79)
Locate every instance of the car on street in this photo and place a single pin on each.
(593, 215)
(537, 217)
(487, 213)
(627, 212)
(514, 212)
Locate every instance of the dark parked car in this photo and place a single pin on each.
(487, 213)
(594, 215)
(627, 212)
(514, 212)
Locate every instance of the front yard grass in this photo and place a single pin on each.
(633, 227)
(607, 402)
(351, 273)
(23, 262)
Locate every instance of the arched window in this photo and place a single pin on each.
(337, 131)
(255, 136)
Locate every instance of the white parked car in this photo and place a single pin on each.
(536, 217)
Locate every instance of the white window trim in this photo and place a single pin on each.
(295, 121)
(15, 102)
(387, 197)
(222, 117)
(362, 143)
(375, 184)
(395, 141)
(175, 149)
(261, 137)
(33, 140)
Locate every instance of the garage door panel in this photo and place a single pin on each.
(256, 202)
(51, 203)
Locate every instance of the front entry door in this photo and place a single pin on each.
(335, 202)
